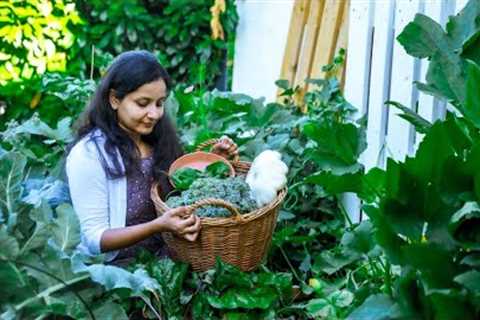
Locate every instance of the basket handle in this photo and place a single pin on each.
(217, 203)
(210, 143)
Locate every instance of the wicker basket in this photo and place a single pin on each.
(241, 240)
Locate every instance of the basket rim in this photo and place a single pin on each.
(161, 207)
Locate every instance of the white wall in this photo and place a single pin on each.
(260, 44)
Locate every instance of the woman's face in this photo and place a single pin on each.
(140, 110)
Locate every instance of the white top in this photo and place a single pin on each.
(100, 203)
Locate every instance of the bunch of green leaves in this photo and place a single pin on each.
(424, 211)
(233, 190)
(41, 274)
(42, 145)
(34, 37)
(229, 293)
(449, 52)
(428, 217)
(310, 220)
(53, 96)
(222, 292)
(184, 177)
(181, 41)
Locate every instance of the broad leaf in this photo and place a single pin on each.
(472, 100)
(12, 170)
(376, 307)
(66, 229)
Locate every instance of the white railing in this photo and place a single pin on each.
(378, 69)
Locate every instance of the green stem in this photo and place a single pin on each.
(45, 293)
(344, 212)
(159, 317)
(388, 277)
(290, 265)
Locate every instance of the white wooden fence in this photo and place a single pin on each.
(379, 69)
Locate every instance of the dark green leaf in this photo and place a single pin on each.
(421, 125)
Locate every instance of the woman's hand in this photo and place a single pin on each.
(179, 221)
(225, 147)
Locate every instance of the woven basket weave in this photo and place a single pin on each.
(241, 240)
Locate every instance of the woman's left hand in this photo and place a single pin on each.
(225, 148)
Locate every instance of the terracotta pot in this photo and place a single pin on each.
(198, 160)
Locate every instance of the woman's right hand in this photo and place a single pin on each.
(179, 221)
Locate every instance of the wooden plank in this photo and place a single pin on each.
(308, 46)
(294, 40)
(427, 103)
(342, 41)
(327, 37)
(399, 132)
(379, 83)
(357, 74)
(459, 5)
(358, 55)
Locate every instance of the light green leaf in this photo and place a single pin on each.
(109, 310)
(43, 218)
(261, 298)
(376, 307)
(341, 298)
(470, 279)
(66, 228)
(112, 277)
(8, 244)
(12, 169)
(320, 308)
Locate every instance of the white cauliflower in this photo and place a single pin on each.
(267, 175)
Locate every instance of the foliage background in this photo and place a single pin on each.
(30, 51)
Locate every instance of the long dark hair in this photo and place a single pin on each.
(129, 71)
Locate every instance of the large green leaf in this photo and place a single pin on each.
(470, 280)
(109, 310)
(338, 145)
(472, 100)
(43, 219)
(368, 187)
(112, 277)
(465, 225)
(12, 170)
(361, 239)
(464, 27)
(9, 244)
(66, 229)
(234, 298)
(376, 307)
(170, 276)
(424, 38)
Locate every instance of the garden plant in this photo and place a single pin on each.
(417, 256)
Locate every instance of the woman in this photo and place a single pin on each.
(126, 143)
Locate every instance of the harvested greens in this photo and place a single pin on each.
(233, 189)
